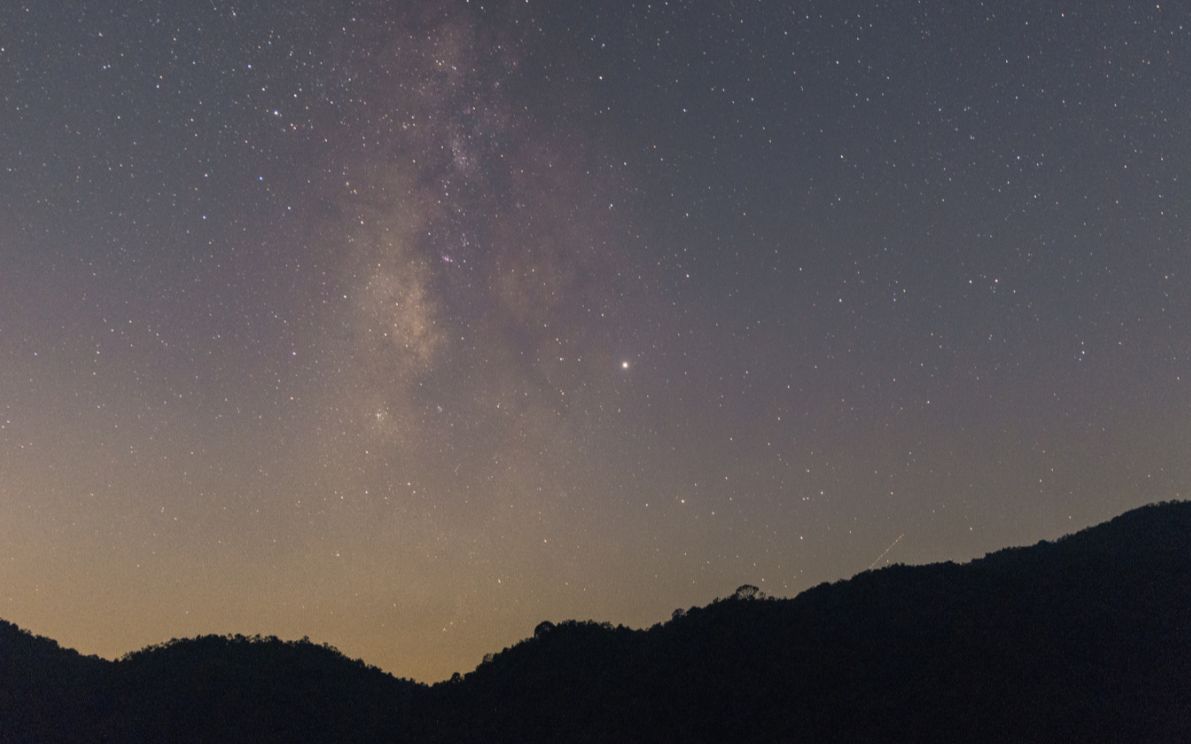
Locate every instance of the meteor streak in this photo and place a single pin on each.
(885, 552)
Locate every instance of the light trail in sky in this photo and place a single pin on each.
(885, 552)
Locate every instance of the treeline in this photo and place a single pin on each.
(1083, 639)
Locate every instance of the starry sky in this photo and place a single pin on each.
(406, 326)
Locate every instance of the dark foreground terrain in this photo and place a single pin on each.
(1084, 639)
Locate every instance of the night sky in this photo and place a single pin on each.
(406, 326)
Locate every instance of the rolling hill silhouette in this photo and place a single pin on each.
(1084, 639)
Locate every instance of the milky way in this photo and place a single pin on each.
(406, 326)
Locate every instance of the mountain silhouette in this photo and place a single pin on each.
(1087, 638)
